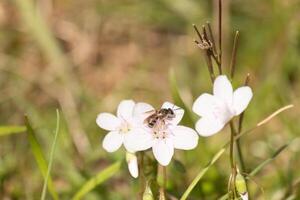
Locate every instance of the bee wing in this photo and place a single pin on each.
(143, 110)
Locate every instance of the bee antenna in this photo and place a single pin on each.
(177, 109)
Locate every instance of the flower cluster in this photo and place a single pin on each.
(139, 127)
(130, 129)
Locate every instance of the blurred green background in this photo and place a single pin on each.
(83, 57)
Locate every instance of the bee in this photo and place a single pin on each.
(161, 115)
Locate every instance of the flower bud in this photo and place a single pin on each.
(241, 186)
(148, 193)
(132, 164)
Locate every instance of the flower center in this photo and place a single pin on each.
(125, 128)
(160, 131)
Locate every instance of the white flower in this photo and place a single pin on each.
(132, 164)
(218, 109)
(165, 137)
(245, 196)
(120, 126)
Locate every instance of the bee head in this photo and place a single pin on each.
(171, 113)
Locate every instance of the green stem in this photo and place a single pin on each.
(142, 176)
(238, 145)
(232, 134)
(162, 195)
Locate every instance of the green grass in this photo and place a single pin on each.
(84, 57)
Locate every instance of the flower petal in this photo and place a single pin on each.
(204, 105)
(209, 106)
(179, 112)
(108, 121)
(112, 141)
(125, 109)
(163, 151)
(223, 89)
(132, 164)
(241, 99)
(138, 139)
(184, 138)
(142, 110)
(244, 196)
(207, 126)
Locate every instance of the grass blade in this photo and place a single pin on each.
(51, 156)
(188, 117)
(201, 173)
(267, 161)
(39, 157)
(97, 180)
(8, 130)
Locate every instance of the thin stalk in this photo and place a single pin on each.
(210, 66)
(205, 33)
(142, 176)
(238, 142)
(212, 38)
(198, 32)
(232, 135)
(220, 32)
(208, 63)
(162, 195)
(233, 56)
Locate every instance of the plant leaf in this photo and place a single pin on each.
(51, 156)
(7, 130)
(39, 157)
(97, 180)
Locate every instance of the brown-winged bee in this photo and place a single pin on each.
(161, 115)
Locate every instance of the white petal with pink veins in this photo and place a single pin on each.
(138, 140)
(207, 126)
(163, 151)
(125, 109)
(223, 89)
(112, 141)
(241, 99)
(184, 138)
(108, 121)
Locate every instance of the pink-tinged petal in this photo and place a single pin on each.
(241, 99)
(205, 105)
(209, 106)
(163, 151)
(207, 126)
(179, 112)
(108, 121)
(184, 138)
(112, 141)
(142, 110)
(125, 109)
(223, 89)
(132, 164)
(138, 139)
